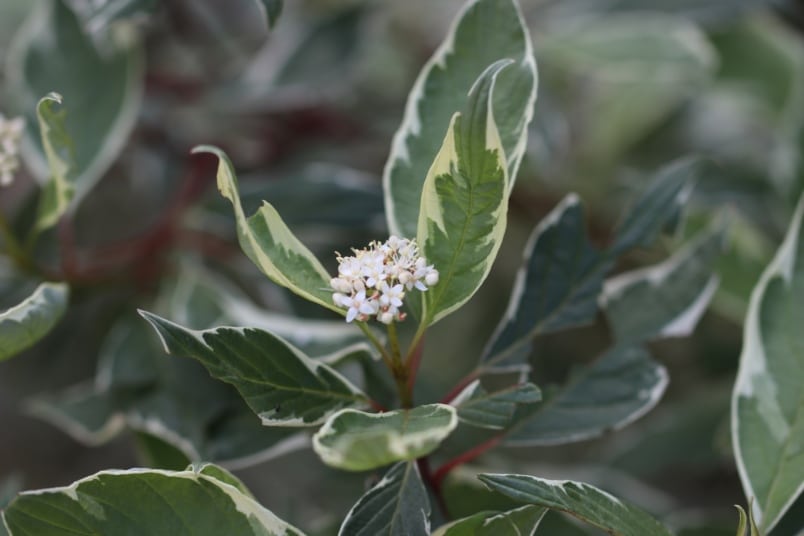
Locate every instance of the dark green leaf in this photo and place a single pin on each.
(26, 323)
(493, 410)
(518, 522)
(396, 506)
(279, 383)
(581, 500)
(271, 9)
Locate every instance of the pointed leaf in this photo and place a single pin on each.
(271, 9)
(484, 32)
(269, 243)
(58, 146)
(578, 499)
(358, 441)
(768, 403)
(493, 410)
(618, 388)
(144, 501)
(396, 506)
(279, 383)
(667, 299)
(464, 202)
(557, 286)
(660, 203)
(102, 93)
(517, 522)
(26, 323)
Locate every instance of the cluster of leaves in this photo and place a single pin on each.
(255, 392)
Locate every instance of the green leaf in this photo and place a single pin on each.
(100, 15)
(517, 522)
(615, 390)
(768, 402)
(634, 69)
(660, 204)
(268, 242)
(102, 92)
(278, 382)
(464, 202)
(26, 323)
(667, 299)
(746, 521)
(59, 190)
(557, 286)
(359, 441)
(484, 32)
(144, 501)
(396, 506)
(578, 499)
(493, 410)
(271, 9)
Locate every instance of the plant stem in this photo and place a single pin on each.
(468, 456)
(377, 344)
(460, 386)
(435, 486)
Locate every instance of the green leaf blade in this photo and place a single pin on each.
(397, 505)
(271, 9)
(578, 499)
(144, 501)
(58, 147)
(493, 410)
(102, 92)
(618, 388)
(464, 202)
(33, 318)
(516, 522)
(484, 32)
(557, 286)
(768, 400)
(358, 441)
(270, 244)
(279, 383)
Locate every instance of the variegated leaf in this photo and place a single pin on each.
(578, 499)
(271, 245)
(767, 408)
(521, 521)
(278, 382)
(493, 410)
(205, 500)
(615, 390)
(26, 323)
(102, 92)
(58, 146)
(464, 202)
(484, 32)
(359, 441)
(396, 506)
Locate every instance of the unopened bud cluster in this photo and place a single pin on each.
(373, 281)
(10, 135)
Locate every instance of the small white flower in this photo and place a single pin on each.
(373, 281)
(10, 136)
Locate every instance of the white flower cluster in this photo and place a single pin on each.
(373, 281)
(10, 135)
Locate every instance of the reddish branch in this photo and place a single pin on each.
(460, 386)
(466, 457)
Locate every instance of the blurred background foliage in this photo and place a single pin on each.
(307, 109)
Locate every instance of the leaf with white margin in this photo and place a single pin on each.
(658, 205)
(278, 382)
(667, 299)
(484, 32)
(397, 505)
(580, 500)
(767, 409)
(557, 286)
(615, 390)
(59, 190)
(358, 441)
(493, 410)
(103, 92)
(517, 522)
(268, 242)
(99, 15)
(193, 502)
(464, 202)
(33, 318)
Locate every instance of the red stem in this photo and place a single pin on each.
(413, 365)
(433, 484)
(468, 456)
(460, 386)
